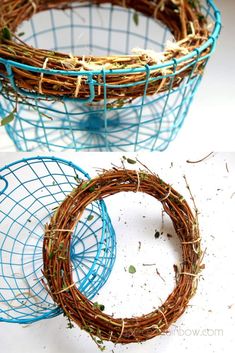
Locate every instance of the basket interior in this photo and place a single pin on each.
(35, 189)
(94, 30)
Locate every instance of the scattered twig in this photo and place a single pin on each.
(158, 273)
(149, 264)
(200, 160)
(192, 197)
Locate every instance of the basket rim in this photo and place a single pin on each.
(174, 62)
(52, 158)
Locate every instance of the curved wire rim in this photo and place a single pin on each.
(212, 39)
(56, 311)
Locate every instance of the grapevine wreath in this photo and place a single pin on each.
(124, 77)
(58, 269)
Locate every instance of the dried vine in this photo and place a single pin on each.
(58, 271)
(183, 18)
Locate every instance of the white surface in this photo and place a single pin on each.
(210, 122)
(208, 324)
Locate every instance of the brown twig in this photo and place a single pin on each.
(200, 160)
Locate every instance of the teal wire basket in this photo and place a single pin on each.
(30, 191)
(48, 123)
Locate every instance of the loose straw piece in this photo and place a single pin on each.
(160, 6)
(167, 195)
(192, 242)
(65, 289)
(138, 181)
(60, 230)
(33, 5)
(42, 76)
(78, 86)
(188, 274)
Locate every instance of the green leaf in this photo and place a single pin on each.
(131, 161)
(90, 217)
(6, 33)
(85, 185)
(8, 119)
(51, 255)
(101, 307)
(136, 18)
(132, 269)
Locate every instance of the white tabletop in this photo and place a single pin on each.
(208, 324)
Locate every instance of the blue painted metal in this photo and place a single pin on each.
(147, 123)
(30, 191)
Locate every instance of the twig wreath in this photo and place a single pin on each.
(58, 270)
(183, 18)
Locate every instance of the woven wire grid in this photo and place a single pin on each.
(30, 191)
(147, 123)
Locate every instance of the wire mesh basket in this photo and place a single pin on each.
(87, 106)
(30, 192)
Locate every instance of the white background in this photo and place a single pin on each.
(135, 219)
(210, 122)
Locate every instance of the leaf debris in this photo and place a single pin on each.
(200, 160)
(8, 119)
(132, 269)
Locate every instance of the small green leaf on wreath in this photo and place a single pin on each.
(101, 307)
(51, 255)
(6, 33)
(132, 269)
(85, 185)
(70, 325)
(136, 18)
(8, 119)
(90, 217)
(77, 179)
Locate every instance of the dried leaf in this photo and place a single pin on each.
(8, 119)
(136, 18)
(131, 161)
(132, 269)
(90, 217)
(101, 307)
(6, 33)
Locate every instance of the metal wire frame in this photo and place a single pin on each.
(147, 123)
(30, 191)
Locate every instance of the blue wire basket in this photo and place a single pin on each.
(149, 122)
(30, 191)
